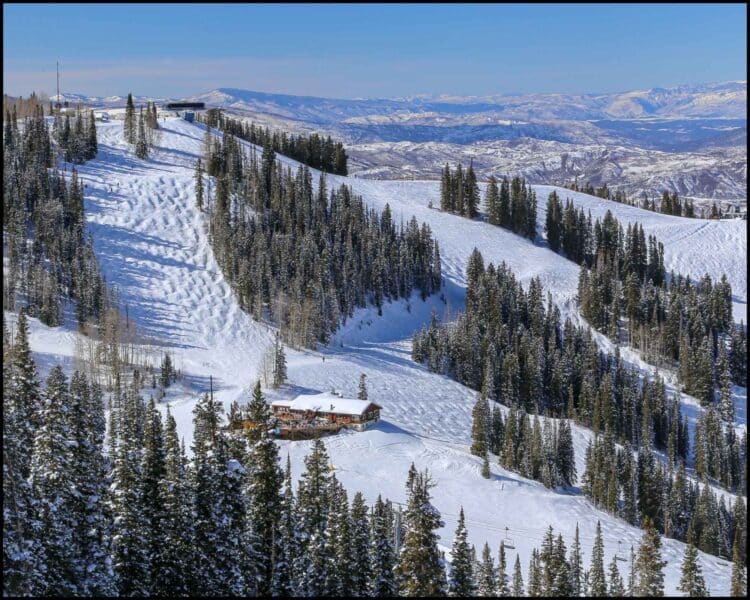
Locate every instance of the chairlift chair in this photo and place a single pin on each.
(508, 541)
(618, 554)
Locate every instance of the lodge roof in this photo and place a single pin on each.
(327, 402)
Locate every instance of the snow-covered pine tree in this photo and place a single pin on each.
(141, 144)
(53, 487)
(486, 580)
(173, 566)
(616, 585)
(22, 560)
(502, 573)
(152, 475)
(129, 124)
(362, 389)
(597, 577)
(576, 564)
(479, 427)
(167, 373)
(517, 586)
(338, 544)
(360, 547)
(536, 583)
(726, 403)
(561, 586)
(90, 468)
(420, 571)
(92, 146)
(199, 184)
(279, 363)
(382, 552)
(691, 578)
(131, 559)
(461, 582)
(263, 480)
(313, 501)
(739, 574)
(24, 385)
(492, 201)
(486, 466)
(287, 547)
(649, 565)
(566, 464)
(219, 507)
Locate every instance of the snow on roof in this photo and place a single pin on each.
(325, 402)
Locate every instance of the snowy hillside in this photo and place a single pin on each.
(152, 244)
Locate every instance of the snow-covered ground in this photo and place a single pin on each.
(152, 243)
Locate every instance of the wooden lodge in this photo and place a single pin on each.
(308, 416)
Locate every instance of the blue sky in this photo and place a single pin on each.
(349, 51)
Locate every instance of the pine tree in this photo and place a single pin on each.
(279, 364)
(263, 480)
(90, 469)
(726, 403)
(565, 456)
(472, 192)
(486, 466)
(313, 505)
(649, 566)
(517, 579)
(536, 585)
(130, 557)
(362, 390)
(739, 576)
(492, 202)
(502, 577)
(597, 577)
(420, 571)
(561, 585)
(129, 125)
(219, 510)
(576, 564)
(22, 558)
(53, 487)
(167, 375)
(360, 547)
(486, 580)
(338, 547)
(199, 185)
(383, 557)
(461, 582)
(92, 145)
(479, 427)
(141, 145)
(284, 576)
(173, 565)
(616, 585)
(152, 475)
(691, 580)
(25, 392)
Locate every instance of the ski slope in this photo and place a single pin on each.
(152, 244)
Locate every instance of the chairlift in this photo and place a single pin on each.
(508, 541)
(618, 554)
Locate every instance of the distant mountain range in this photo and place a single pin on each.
(686, 139)
(716, 100)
